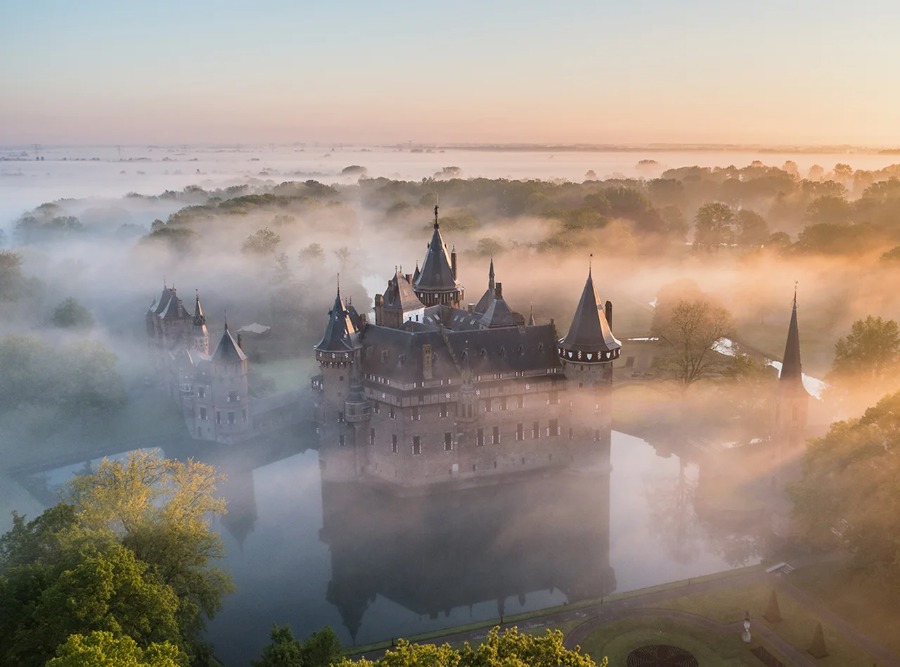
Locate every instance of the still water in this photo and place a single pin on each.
(375, 564)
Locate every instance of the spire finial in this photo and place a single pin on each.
(795, 294)
(590, 263)
(436, 226)
(226, 319)
(338, 284)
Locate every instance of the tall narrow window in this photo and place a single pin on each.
(479, 438)
(503, 403)
(520, 432)
(371, 437)
(341, 440)
(536, 430)
(554, 427)
(520, 403)
(394, 444)
(393, 413)
(416, 445)
(495, 436)
(448, 441)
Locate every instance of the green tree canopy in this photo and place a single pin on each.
(508, 649)
(871, 349)
(72, 315)
(104, 649)
(263, 242)
(713, 225)
(129, 554)
(321, 649)
(848, 497)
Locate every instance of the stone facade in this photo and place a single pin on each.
(433, 393)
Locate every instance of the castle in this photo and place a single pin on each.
(438, 391)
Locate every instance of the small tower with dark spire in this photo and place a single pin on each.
(791, 399)
(589, 348)
(437, 282)
(343, 410)
(229, 391)
(200, 339)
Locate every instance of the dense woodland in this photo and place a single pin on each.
(720, 248)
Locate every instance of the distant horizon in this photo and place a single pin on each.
(538, 146)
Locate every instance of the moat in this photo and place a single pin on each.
(375, 563)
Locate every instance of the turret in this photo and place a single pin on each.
(791, 399)
(229, 390)
(589, 348)
(437, 283)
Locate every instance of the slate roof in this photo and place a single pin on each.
(400, 295)
(488, 295)
(175, 309)
(589, 331)
(791, 368)
(342, 331)
(228, 351)
(397, 353)
(160, 305)
(498, 314)
(436, 273)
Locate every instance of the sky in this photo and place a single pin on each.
(776, 72)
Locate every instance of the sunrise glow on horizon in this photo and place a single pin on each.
(576, 72)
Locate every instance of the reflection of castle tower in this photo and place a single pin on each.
(239, 491)
(432, 393)
(792, 399)
(446, 551)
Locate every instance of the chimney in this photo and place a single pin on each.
(453, 262)
(498, 291)
(609, 313)
(471, 308)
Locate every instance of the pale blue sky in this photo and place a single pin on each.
(701, 71)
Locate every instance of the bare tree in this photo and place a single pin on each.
(688, 330)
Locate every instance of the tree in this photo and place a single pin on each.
(848, 496)
(688, 330)
(12, 281)
(262, 242)
(713, 225)
(509, 649)
(103, 649)
(160, 509)
(282, 651)
(72, 315)
(321, 649)
(871, 350)
(752, 229)
(128, 553)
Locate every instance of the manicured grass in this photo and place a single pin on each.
(866, 602)
(619, 638)
(797, 626)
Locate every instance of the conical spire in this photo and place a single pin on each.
(791, 369)
(199, 317)
(589, 338)
(436, 275)
(228, 351)
(341, 334)
(491, 275)
(531, 321)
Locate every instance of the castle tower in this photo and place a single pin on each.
(489, 293)
(200, 339)
(343, 410)
(589, 348)
(791, 398)
(437, 281)
(229, 390)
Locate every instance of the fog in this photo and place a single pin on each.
(149, 217)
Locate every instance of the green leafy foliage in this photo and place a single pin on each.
(321, 649)
(129, 554)
(72, 315)
(871, 350)
(104, 649)
(848, 496)
(510, 648)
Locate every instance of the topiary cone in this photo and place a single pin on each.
(817, 647)
(773, 613)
